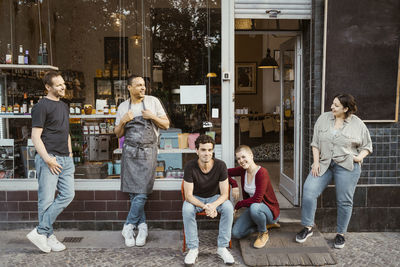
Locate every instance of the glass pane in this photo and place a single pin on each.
(288, 108)
(97, 44)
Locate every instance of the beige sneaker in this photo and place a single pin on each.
(261, 240)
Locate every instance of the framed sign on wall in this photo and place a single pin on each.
(246, 78)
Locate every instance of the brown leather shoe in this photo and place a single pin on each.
(261, 240)
(274, 225)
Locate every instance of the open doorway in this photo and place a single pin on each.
(265, 99)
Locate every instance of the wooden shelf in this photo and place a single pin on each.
(27, 67)
(163, 151)
(93, 116)
(28, 116)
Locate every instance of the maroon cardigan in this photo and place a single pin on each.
(264, 191)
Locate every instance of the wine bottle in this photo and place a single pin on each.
(45, 54)
(30, 106)
(25, 104)
(9, 59)
(40, 55)
(26, 58)
(21, 55)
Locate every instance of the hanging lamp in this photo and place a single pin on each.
(268, 62)
(136, 37)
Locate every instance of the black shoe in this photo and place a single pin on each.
(303, 235)
(339, 241)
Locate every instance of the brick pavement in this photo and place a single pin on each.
(164, 249)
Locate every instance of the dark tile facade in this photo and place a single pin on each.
(375, 208)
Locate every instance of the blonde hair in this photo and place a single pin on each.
(244, 148)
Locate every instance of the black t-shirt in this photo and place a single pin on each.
(53, 117)
(205, 184)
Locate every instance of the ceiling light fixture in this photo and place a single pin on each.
(268, 62)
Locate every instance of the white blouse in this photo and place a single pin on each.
(250, 188)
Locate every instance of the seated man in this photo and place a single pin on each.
(206, 188)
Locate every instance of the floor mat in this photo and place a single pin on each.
(282, 250)
(271, 152)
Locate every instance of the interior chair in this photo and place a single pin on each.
(202, 213)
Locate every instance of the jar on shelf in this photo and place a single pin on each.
(72, 108)
(105, 110)
(113, 110)
(88, 109)
(78, 108)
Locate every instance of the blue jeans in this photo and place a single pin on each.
(136, 214)
(189, 221)
(345, 184)
(255, 218)
(48, 207)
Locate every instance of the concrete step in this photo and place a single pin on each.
(290, 216)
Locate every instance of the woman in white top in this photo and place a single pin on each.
(258, 197)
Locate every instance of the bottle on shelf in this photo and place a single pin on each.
(30, 106)
(3, 108)
(26, 57)
(25, 104)
(21, 55)
(40, 55)
(45, 54)
(16, 108)
(9, 57)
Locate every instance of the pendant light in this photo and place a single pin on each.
(268, 62)
(136, 37)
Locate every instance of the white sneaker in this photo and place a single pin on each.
(191, 257)
(39, 240)
(142, 235)
(226, 256)
(129, 235)
(54, 244)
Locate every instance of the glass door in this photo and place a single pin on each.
(289, 67)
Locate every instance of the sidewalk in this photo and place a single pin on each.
(164, 248)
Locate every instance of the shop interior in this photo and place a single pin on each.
(258, 93)
(96, 45)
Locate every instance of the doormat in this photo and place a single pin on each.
(283, 250)
(271, 152)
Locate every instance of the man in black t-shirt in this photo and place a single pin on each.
(53, 162)
(206, 189)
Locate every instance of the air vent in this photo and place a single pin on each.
(72, 239)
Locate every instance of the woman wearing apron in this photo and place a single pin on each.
(138, 120)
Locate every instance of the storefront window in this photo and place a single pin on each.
(96, 45)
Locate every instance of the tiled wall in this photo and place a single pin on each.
(375, 208)
(383, 166)
(91, 210)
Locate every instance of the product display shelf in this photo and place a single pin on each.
(27, 67)
(163, 151)
(28, 116)
(6, 158)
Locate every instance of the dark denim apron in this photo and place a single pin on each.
(139, 156)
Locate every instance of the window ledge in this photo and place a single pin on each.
(165, 184)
